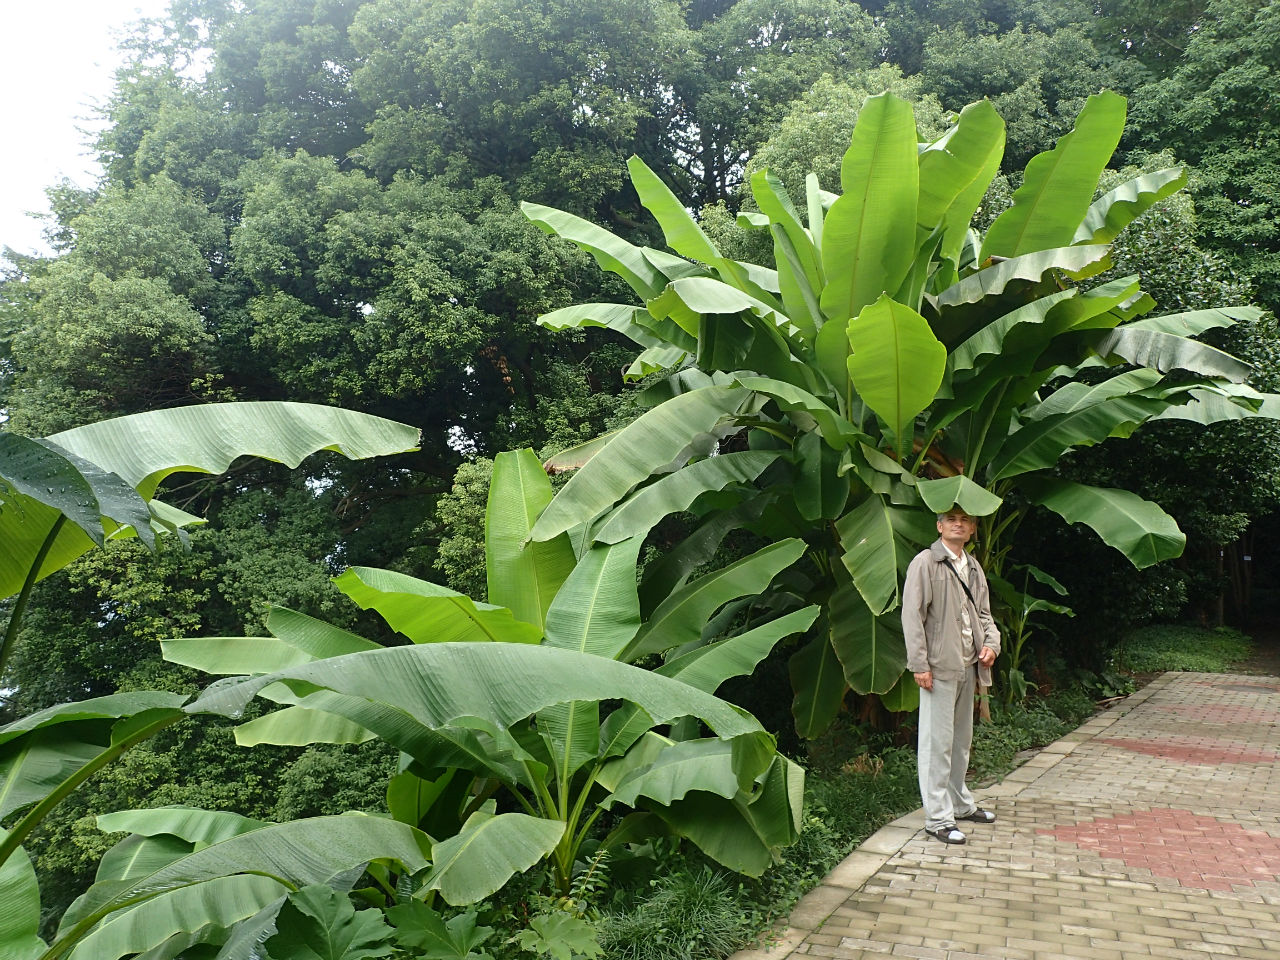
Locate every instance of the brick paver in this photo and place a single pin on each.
(1152, 831)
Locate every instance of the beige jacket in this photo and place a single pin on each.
(931, 620)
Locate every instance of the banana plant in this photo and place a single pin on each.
(504, 700)
(896, 363)
(62, 495)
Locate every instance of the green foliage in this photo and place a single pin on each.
(1209, 104)
(1182, 647)
(559, 935)
(319, 923)
(1014, 729)
(421, 929)
(689, 912)
(890, 327)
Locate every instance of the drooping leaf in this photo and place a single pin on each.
(1138, 528)
(1058, 185)
(744, 834)
(488, 685)
(664, 770)
(296, 638)
(868, 236)
(1195, 322)
(1117, 208)
(523, 576)
(871, 649)
(649, 443)
(190, 824)
(300, 726)
(1040, 443)
(621, 317)
(138, 856)
(992, 281)
(959, 491)
(612, 253)
(1168, 351)
(487, 852)
(318, 923)
(428, 613)
(231, 880)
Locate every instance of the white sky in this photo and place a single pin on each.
(56, 61)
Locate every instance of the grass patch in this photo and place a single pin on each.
(1182, 647)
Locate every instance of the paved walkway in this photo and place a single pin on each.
(1151, 831)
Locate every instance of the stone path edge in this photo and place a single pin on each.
(853, 872)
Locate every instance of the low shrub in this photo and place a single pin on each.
(1178, 646)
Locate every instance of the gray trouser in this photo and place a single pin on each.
(946, 733)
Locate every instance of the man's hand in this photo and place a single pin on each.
(925, 680)
(986, 656)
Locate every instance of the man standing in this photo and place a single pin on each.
(952, 642)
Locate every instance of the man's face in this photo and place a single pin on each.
(957, 526)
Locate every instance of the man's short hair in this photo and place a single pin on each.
(946, 513)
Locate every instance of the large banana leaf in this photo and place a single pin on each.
(705, 668)
(612, 253)
(1138, 528)
(991, 281)
(1117, 208)
(206, 888)
(799, 263)
(868, 237)
(429, 613)
(1195, 322)
(817, 679)
(682, 232)
(296, 639)
(523, 576)
(955, 172)
(144, 448)
(820, 490)
(871, 649)
(300, 726)
(19, 908)
(597, 611)
(1058, 185)
(648, 444)
(835, 429)
(487, 852)
(621, 317)
(195, 826)
(896, 365)
(873, 552)
(680, 618)
(1077, 395)
(675, 492)
(989, 340)
(489, 686)
(1040, 444)
(1167, 351)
